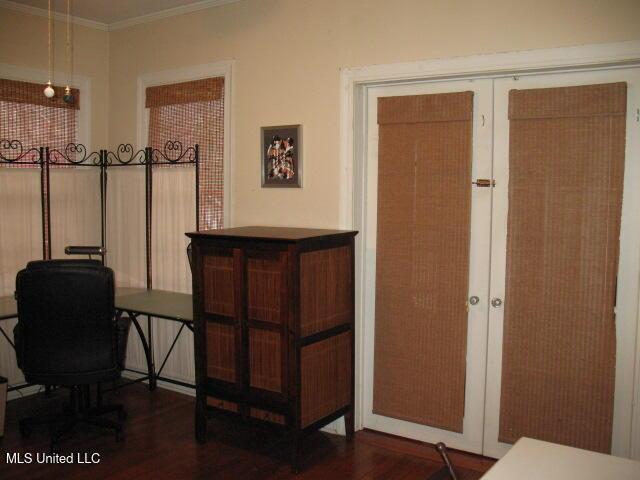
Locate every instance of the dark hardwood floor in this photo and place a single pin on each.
(160, 443)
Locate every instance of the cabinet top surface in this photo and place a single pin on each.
(279, 234)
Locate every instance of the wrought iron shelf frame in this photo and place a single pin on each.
(13, 152)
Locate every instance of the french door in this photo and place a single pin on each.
(450, 276)
(464, 346)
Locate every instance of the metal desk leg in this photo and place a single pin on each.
(153, 381)
(173, 344)
(147, 350)
(4, 334)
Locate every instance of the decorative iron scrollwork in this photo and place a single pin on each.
(74, 154)
(14, 152)
(125, 155)
(173, 153)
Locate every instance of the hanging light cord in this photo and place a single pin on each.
(69, 51)
(49, 43)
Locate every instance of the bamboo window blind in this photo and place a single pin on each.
(193, 113)
(422, 266)
(35, 120)
(566, 161)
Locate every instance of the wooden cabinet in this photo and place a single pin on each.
(274, 328)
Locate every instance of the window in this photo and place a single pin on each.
(35, 121)
(193, 113)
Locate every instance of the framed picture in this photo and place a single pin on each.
(281, 156)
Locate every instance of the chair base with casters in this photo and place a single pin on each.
(78, 410)
(447, 472)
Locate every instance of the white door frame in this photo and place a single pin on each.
(353, 152)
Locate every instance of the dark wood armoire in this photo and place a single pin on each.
(274, 328)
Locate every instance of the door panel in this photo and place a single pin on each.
(422, 263)
(565, 195)
(423, 351)
(556, 355)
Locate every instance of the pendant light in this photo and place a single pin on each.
(49, 92)
(68, 96)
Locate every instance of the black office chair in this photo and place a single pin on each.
(67, 336)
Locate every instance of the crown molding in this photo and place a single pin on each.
(61, 17)
(129, 22)
(169, 12)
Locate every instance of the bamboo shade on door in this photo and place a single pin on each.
(566, 161)
(422, 257)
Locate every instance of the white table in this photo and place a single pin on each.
(532, 459)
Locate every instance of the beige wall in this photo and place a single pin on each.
(23, 43)
(288, 54)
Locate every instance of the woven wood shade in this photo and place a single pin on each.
(205, 90)
(424, 205)
(193, 113)
(566, 161)
(36, 121)
(33, 93)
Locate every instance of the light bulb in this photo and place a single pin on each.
(49, 92)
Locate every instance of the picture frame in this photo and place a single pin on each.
(281, 156)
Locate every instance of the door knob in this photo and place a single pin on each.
(496, 302)
(474, 300)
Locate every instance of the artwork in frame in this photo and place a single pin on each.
(281, 156)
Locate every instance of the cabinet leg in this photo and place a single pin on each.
(201, 422)
(349, 424)
(296, 451)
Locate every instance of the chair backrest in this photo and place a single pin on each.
(66, 322)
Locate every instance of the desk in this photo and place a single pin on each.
(532, 459)
(172, 306)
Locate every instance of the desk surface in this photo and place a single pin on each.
(158, 303)
(532, 459)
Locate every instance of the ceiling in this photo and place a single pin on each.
(110, 12)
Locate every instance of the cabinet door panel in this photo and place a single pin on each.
(221, 354)
(265, 360)
(219, 295)
(266, 284)
(267, 310)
